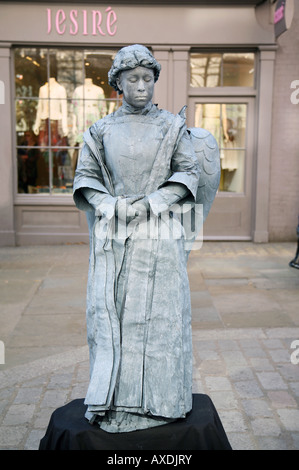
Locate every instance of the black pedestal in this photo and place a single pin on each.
(202, 429)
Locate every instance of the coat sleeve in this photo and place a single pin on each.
(183, 181)
(88, 175)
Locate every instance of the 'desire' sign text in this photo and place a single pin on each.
(85, 22)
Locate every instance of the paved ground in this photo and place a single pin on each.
(245, 321)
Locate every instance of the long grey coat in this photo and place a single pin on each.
(138, 299)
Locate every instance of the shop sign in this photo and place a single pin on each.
(82, 22)
(284, 12)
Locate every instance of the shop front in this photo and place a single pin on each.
(54, 60)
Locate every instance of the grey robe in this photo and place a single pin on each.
(138, 297)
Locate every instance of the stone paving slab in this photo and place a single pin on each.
(249, 375)
(246, 355)
(256, 398)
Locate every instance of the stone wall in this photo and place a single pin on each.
(284, 171)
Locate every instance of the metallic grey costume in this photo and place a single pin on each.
(138, 299)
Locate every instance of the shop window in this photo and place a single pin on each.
(222, 69)
(59, 94)
(227, 123)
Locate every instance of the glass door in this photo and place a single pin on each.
(230, 120)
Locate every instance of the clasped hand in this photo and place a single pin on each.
(128, 209)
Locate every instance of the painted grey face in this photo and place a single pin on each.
(137, 86)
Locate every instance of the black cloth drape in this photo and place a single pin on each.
(202, 429)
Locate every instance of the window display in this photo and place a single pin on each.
(217, 70)
(59, 94)
(227, 122)
(88, 106)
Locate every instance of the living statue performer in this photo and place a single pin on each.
(136, 164)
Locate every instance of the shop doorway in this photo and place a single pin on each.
(230, 120)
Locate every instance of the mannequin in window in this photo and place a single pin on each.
(113, 105)
(88, 107)
(229, 157)
(213, 117)
(52, 106)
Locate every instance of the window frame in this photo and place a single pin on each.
(50, 198)
(249, 144)
(233, 94)
(231, 90)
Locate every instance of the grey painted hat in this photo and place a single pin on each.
(130, 57)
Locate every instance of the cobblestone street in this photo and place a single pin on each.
(245, 300)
